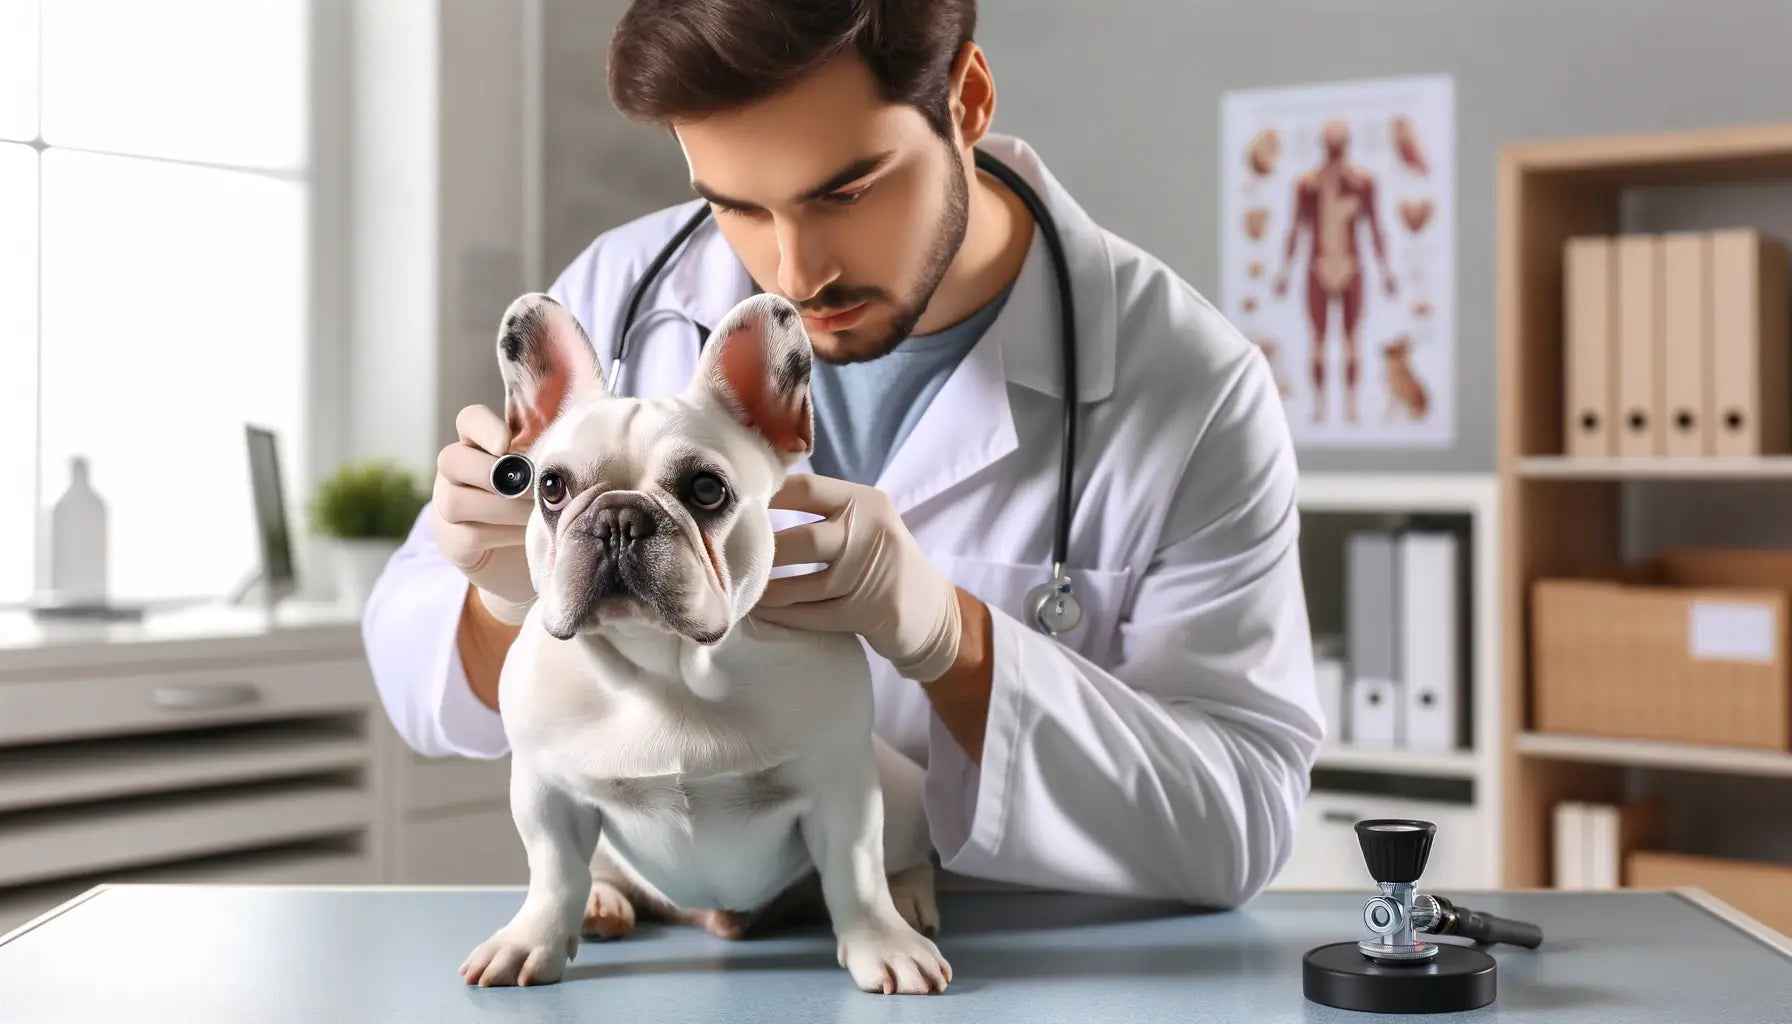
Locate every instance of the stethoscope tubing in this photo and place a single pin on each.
(1060, 583)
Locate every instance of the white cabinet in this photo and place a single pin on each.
(220, 746)
(475, 846)
(186, 750)
(1457, 789)
(452, 823)
(1327, 854)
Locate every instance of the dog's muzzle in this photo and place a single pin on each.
(623, 548)
(624, 544)
(618, 521)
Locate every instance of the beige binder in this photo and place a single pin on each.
(1686, 343)
(1639, 346)
(1751, 355)
(1589, 347)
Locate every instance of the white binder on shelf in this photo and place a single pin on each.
(1371, 626)
(1430, 639)
(1374, 712)
(1569, 845)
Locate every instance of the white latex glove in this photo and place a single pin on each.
(479, 530)
(877, 583)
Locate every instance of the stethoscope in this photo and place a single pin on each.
(1053, 605)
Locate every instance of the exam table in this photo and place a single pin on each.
(201, 954)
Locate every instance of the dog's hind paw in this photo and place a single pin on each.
(912, 892)
(723, 924)
(513, 958)
(893, 959)
(609, 913)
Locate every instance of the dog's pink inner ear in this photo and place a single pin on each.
(780, 414)
(529, 419)
(546, 359)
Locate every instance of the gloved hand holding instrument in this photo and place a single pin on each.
(479, 530)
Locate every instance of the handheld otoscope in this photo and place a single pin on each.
(1397, 970)
(512, 474)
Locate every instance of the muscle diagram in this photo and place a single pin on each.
(1330, 201)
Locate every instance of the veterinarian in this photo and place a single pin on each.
(1159, 748)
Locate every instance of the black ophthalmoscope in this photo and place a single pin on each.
(1396, 969)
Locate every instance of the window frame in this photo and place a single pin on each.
(324, 341)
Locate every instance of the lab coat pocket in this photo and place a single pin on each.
(1005, 586)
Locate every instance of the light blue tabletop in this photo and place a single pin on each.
(253, 955)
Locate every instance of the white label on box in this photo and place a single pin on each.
(1730, 631)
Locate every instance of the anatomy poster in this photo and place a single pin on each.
(1337, 253)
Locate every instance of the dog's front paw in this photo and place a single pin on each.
(514, 956)
(893, 958)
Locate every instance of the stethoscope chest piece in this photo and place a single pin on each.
(1054, 607)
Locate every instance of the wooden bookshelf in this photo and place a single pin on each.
(1562, 467)
(1653, 754)
(1561, 515)
(1452, 764)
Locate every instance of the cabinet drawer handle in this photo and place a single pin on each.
(1341, 817)
(191, 697)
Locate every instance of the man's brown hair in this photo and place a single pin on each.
(676, 59)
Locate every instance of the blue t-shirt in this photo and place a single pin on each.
(864, 411)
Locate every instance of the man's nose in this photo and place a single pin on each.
(803, 264)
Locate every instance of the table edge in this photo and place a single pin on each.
(54, 912)
(1772, 938)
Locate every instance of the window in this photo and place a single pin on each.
(154, 275)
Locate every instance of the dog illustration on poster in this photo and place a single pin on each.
(1337, 253)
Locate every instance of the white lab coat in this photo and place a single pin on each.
(1163, 748)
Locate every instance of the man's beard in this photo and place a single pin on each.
(946, 240)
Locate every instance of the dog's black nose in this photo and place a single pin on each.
(622, 523)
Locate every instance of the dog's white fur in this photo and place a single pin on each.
(654, 767)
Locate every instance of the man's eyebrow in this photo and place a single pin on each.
(845, 176)
(850, 173)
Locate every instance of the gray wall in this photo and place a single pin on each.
(597, 169)
(1121, 98)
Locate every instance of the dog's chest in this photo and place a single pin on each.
(736, 798)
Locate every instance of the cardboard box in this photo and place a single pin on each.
(1690, 647)
(1760, 889)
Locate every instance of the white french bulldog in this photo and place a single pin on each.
(670, 756)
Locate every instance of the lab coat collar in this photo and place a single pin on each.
(707, 280)
(1028, 324)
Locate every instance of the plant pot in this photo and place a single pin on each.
(356, 562)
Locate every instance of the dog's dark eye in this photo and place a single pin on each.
(553, 490)
(708, 491)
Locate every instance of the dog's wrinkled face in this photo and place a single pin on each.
(654, 510)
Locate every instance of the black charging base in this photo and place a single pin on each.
(1457, 978)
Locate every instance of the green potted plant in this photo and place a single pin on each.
(364, 510)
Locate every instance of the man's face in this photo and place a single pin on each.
(849, 206)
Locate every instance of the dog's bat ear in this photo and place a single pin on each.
(756, 366)
(546, 358)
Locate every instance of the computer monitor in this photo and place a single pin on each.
(277, 577)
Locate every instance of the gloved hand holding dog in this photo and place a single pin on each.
(877, 583)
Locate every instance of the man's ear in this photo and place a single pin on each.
(756, 367)
(546, 359)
